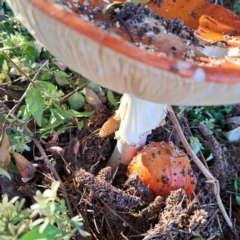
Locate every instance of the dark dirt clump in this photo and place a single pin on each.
(142, 22)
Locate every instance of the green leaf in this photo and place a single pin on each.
(44, 75)
(66, 114)
(80, 125)
(76, 100)
(24, 112)
(2, 58)
(111, 98)
(233, 135)
(63, 129)
(51, 126)
(94, 87)
(115, 4)
(5, 173)
(195, 144)
(30, 52)
(61, 78)
(49, 233)
(12, 168)
(238, 199)
(46, 86)
(210, 157)
(35, 104)
(140, 1)
(5, 66)
(236, 184)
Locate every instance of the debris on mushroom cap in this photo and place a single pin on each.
(163, 167)
(147, 29)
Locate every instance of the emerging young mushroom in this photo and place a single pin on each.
(163, 167)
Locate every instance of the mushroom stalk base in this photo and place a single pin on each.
(124, 153)
(138, 118)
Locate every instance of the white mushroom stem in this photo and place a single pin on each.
(138, 118)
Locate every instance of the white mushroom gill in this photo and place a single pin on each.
(138, 118)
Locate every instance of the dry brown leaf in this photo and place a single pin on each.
(56, 151)
(25, 168)
(91, 97)
(5, 157)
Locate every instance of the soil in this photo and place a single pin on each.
(126, 209)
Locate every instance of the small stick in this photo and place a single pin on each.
(210, 219)
(54, 172)
(75, 90)
(200, 165)
(117, 215)
(25, 75)
(230, 206)
(200, 152)
(127, 28)
(12, 111)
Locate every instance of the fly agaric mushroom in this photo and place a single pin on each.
(112, 61)
(148, 79)
(163, 167)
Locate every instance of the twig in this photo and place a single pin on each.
(124, 237)
(75, 90)
(117, 215)
(230, 206)
(210, 219)
(109, 227)
(118, 17)
(25, 75)
(200, 152)
(220, 226)
(12, 111)
(200, 165)
(54, 172)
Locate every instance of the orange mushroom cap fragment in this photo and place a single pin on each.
(163, 167)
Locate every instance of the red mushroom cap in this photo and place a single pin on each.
(163, 167)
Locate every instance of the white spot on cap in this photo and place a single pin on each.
(163, 144)
(199, 75)
(234, 52)
(117, 24)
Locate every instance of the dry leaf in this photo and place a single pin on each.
(56, 151)
(91, 97)
(25, 168)
(5, 157)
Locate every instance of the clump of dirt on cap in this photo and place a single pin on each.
(142, 22)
